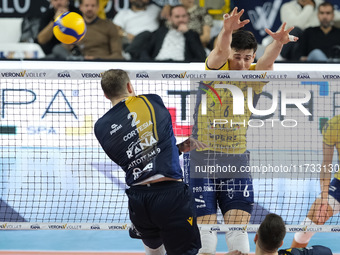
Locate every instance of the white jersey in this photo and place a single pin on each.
(136, 22)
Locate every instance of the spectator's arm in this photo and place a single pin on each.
(115, 44)
(296, 19)
(46, 34)
(205, 36)
(122, 34)
(195, 47)
(165, 13)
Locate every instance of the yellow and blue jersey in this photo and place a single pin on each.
(331, 136)
(137, 135)
(313, 250)
(225, 138)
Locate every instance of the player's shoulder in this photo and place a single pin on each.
(152, 98)
(105, 22)
(335, 121)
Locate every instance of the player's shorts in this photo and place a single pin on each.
(313, 250)
(165, 211)
(226, 193)
(334, 189)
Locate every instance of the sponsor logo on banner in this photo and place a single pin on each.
(331, 76)
(96, 226)
(73, 227)
(23, 74)
(303, 76)
(64, 74)
(11, 226)
(184, 75)
(335, 229)
(142, 75)
(115, 227)
(254, 76)
(55, 226)
(35, 226)
(264, 76)
(3, 226)
(215, 228)
(298, 229)
(91, 75)
(237, 228)
(223, 76)
(263, 16)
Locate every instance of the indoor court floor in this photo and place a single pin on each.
(73, 242)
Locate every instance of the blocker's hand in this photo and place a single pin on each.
(282, 35)
(233, 21)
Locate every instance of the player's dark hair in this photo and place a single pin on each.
(243, 40)
(271, 233)
(324, 4)
(114, 82)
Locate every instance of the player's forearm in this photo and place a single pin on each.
(325, 179)
(220, 54)
(266, 62)
(46, 34)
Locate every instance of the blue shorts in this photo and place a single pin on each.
(225, 193)
(334, 189)
(163, 212)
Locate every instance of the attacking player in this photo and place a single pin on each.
(235, 50)
(328, 203)
(136, 133)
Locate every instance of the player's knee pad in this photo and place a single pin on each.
(158, 251)
(153, 246)
(209, 242)
(237, 240)
(304, 237)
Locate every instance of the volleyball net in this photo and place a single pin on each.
(55, 175)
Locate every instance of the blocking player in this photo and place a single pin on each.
(328, 203)
(235, 50)
(136, 133)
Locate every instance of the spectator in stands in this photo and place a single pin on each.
(320, 43)
(166, 6)
(175, 41)
(299, 14)
(101, 40)
(136, 24)
(45, 37)
(199, 20)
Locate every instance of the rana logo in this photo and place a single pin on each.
(208, 90)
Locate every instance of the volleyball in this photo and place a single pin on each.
(69, 27)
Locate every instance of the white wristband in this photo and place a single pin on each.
(291, 38)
